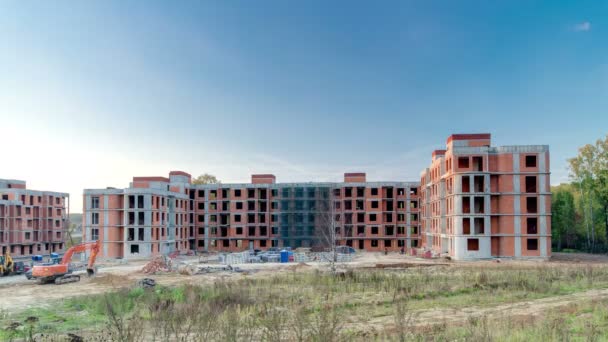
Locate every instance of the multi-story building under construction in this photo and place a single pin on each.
(479, 201)
(31, 222)
(162, 215)
(473, 201)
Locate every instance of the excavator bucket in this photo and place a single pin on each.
(90, 272)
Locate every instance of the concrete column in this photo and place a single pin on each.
(517, 205)
(457, 184)
(106, 218)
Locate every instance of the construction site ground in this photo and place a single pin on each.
(18, 293)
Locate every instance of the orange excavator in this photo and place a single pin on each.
(61, 273)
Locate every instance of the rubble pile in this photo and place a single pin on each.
(158, 264)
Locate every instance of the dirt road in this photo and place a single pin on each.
(451, 317)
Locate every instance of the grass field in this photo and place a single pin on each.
(364, 304)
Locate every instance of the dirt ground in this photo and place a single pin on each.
(17, 293)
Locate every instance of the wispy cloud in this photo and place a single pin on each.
(582, 27)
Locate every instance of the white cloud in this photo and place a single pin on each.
(582, 27)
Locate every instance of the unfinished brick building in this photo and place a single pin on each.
(371, 216)
(151, 216)
(161, 215)
(479, 201)
(31, 221)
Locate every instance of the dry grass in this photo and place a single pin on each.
(356, 305)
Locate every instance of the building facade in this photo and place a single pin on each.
(31, 222)
(162, 215)
(474, 201)
(151, 216)
(479, 201)
(371, 216)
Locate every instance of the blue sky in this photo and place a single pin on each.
(306, 90)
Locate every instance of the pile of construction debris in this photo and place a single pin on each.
(158, 264)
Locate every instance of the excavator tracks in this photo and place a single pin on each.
(69, 278)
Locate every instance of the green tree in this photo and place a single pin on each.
(589, 169)
(563, 215)
(205, 179)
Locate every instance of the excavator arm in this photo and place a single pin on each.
(93, 246)
(60, 273)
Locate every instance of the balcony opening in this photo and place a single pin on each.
(360, 217)
(134, 249)
(131, 202)
(413, 191)
(530, 161)
(237, 192)
(479, 224)
(478, 163)
(250, 193)
(131, 217)
(463, 162)
(348, 192)
(466, 205)
(532, 225)
(530, 183)
(348, 205)
(466, 226)
(140, 201)
(225, 193)
(388, 217)
(360, 192)
(466, 184)
(389, 206)
(263, 194)
(360, 230)
(531, 205)
(389, 192)
(479, 205)
(360, 205)
(472, 244)
(478, 183)
(131, 234)
(532, 244)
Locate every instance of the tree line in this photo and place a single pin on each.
(580, 208)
